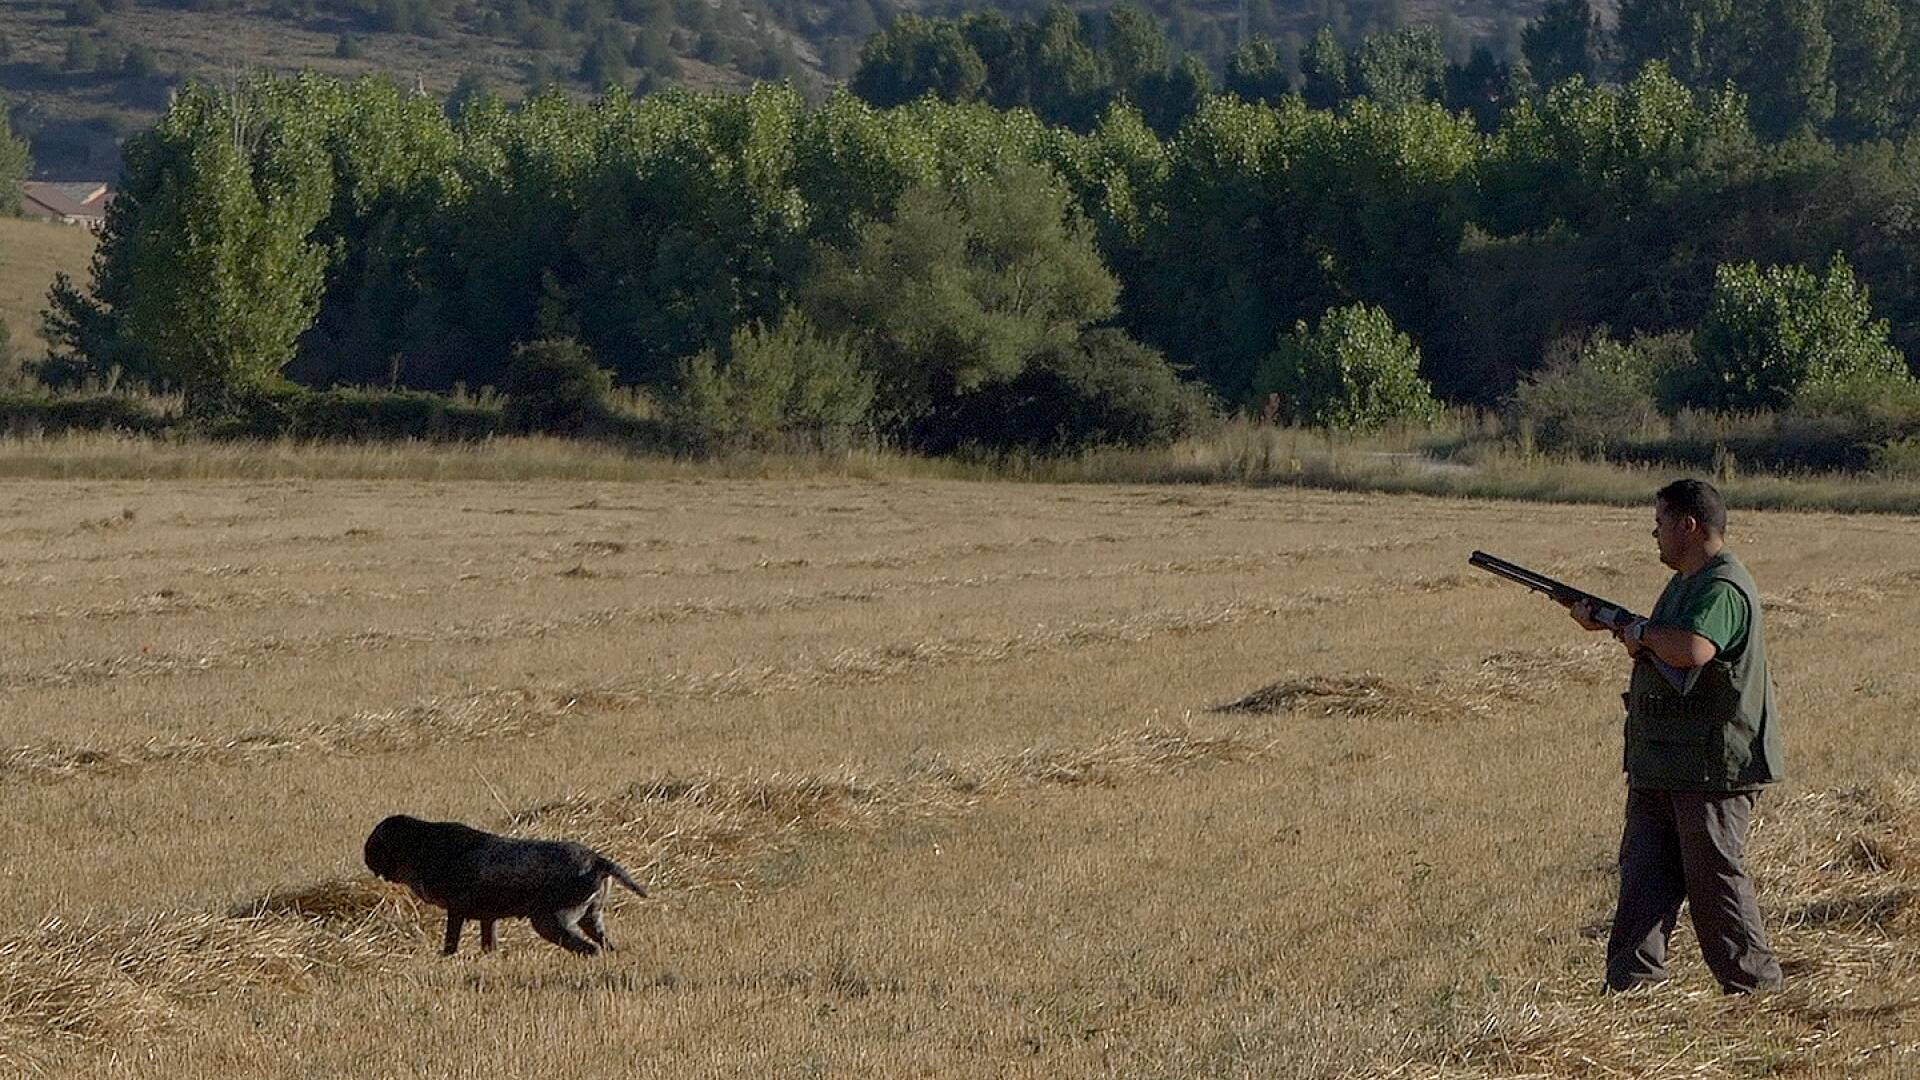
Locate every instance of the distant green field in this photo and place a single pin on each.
(30, 253)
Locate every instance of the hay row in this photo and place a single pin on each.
(67, 985)
(1838, 874)
(702, 831)
(172, 602)
(523, 712)
(94, 983)
(229, 654)
(62, 556)
(880, 663)
(1524, 676)
(223, 654)
(168, 602)
(490, 714)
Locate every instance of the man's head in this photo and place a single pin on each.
(1689, 523)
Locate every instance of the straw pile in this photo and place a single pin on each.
(1525, 676)
(68, 984)
(1352, 696)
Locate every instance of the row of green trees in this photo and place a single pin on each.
(1847, 69)
(952, 273)
(1046, 65)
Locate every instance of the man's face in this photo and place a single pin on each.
(1674, 533)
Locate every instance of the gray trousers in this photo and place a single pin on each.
(1688, 845)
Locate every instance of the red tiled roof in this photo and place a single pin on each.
(79, 200)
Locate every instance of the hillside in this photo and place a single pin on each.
(30, 253)
(80, 75)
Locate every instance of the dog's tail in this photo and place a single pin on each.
(613, 870)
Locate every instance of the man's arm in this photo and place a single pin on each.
(1676, 647)
(1679, 648)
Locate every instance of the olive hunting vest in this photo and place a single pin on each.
(1724, 733)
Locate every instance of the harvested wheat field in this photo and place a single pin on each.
(929, 779)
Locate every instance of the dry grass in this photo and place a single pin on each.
(1842, 869)
(94, 985)
(860, 735)
(496, 714)
(31, 252)
(100, 984)
(1237, 454)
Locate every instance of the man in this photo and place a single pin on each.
(1695, 758)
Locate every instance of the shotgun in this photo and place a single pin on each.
(1604, 611)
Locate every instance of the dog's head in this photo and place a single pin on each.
(391, 846)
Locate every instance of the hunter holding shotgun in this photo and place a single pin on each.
(1697, 754)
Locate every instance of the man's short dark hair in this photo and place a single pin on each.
(1698, 500)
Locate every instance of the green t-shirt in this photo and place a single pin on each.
(1714, 609)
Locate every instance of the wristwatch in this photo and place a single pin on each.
(1634, 632)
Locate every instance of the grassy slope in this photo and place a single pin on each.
(95, 110)
(30, 252)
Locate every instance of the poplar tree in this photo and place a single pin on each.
(226, 190)
(13, 164)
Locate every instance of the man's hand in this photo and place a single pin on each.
(1634, 638)
(1582, 613)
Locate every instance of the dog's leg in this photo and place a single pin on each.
(486, 935)
(454, 923)
(594, 925)
(560, 928)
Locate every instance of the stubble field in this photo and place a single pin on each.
(930, 779)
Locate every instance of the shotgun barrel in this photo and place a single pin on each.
(1605, 611)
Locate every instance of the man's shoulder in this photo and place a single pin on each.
(1728, 564)
(1727, 572)
(1711, 606)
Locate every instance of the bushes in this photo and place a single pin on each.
(1770, 334)
(1599, 394)
(355, 414)
(44, 414)
(283, 411)
(555, 386)
(1583, 408)
(286, 411)
(1353, 372)
(788, 383)
(1103, 390)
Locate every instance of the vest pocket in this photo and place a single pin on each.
(1670, 738)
